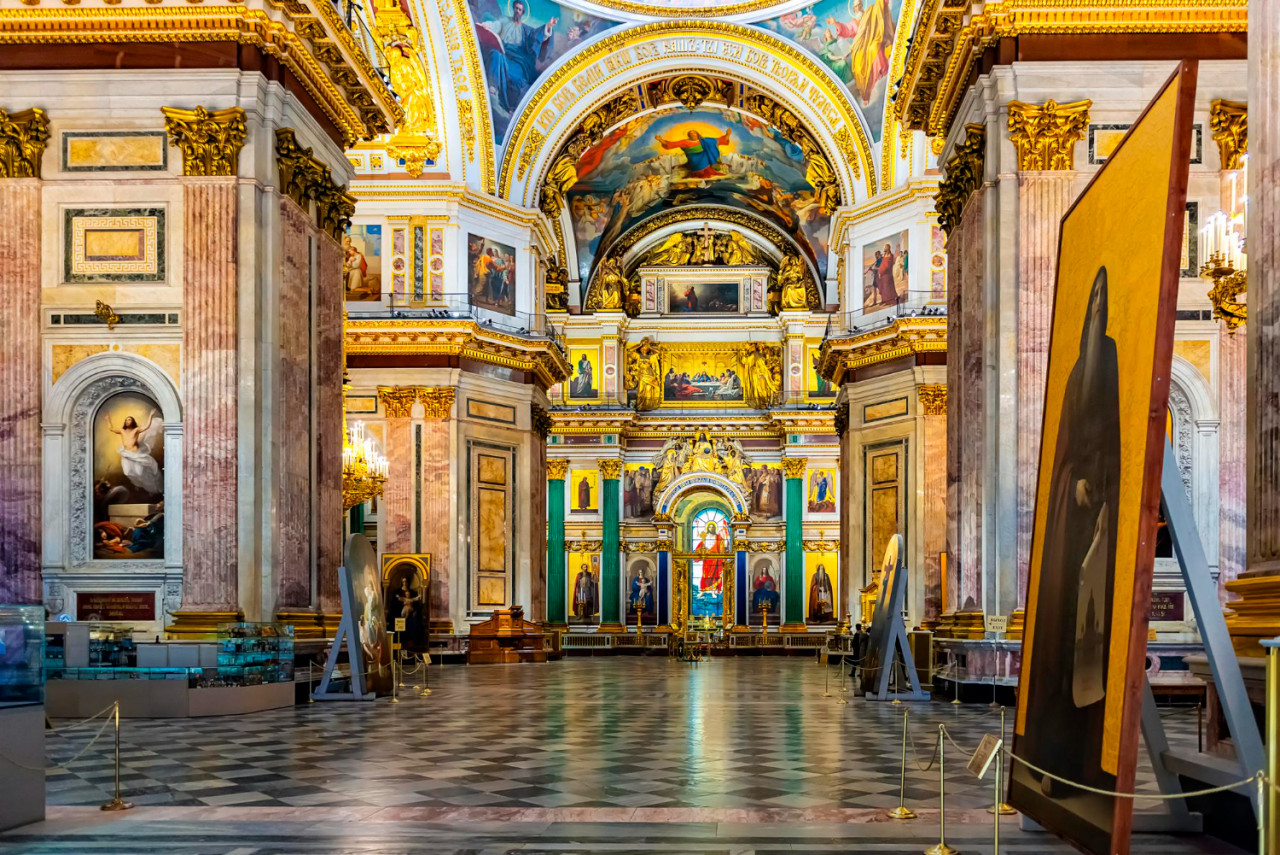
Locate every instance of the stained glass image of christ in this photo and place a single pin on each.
(712, 548)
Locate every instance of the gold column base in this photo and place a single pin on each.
(442, 627)
(793, 627)
(612, 627)
(1017, 625)
(969, 625)
(1256, 615)
(189, 623)
(305, 624)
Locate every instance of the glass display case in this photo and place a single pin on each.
(250, 654)
(21, 655)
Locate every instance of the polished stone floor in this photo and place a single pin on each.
(587, 755)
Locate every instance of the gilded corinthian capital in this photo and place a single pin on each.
(1045, 135)
(557, 468)
(397, 401)
(437, 402)
(210, 140)
(793, 467)
(22, 138)
(1229, 124)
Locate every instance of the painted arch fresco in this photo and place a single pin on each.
(707, 156)
(518, 40)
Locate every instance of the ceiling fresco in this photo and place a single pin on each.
(667, 159)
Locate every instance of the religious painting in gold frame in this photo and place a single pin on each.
(406, 591)
(1098, 496)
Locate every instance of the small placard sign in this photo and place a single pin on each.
(400, 623)
(1167, 606)
(985, 753)
(115, 605)
(997, 623)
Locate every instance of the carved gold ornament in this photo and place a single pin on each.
(642, 371)
(467, 126)
(610, 469)
(767, 546)
(23, 135)
(415, 140)
(842, 418)
(964, 176)
(397, 401)
(796, 286)
(682, 454)
(1045, 136)
(761, 374)
(556, 285)
(303, 178)
(557, 468)
(933, 398)
(691, 90)
(437, 401)
(1229, 124)
(540, 420)
(793, 467)
(106, 314)
(210, 140)
(684, 249)
(1223, 296)
(821, 545)
(608, 287)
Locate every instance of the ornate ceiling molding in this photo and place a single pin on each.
(904, 337)
(952, 34)
(322, 54)
(1045, 136)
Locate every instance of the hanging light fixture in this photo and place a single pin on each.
(364, 469)
(1223, 241)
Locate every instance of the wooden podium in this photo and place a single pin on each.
(506, 637)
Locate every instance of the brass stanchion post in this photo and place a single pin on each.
(942, 848)
(395, 681)
(995, 841)
(842, 699)
(426, 671)
(1273, 746)
(902, 811)
(826, 686)
(310, 683)
(896, 700)
(117, 803)
(998, 806)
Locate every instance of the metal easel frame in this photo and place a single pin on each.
(348, 635)
(897, 643)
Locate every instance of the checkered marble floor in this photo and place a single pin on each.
(582, 755)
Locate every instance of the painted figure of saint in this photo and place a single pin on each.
(821, 598)
(583, 384)
(354, 265)
(1067, 691)
(586, 595)
(712, 543)
(641, 591)
(701, 155)
(765, 590)
(584, 494)
(511, 51)
(136, 459)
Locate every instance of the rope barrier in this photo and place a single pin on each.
(104, 711)
(78, 755)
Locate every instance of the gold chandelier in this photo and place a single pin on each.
(364, 469)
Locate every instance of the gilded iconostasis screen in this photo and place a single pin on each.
(711, 544)
(128, 478)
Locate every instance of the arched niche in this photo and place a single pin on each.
(67, 428)
(1194, 423)
(732, 493)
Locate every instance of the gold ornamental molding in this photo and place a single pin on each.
(904, 337)
(415, 140)
(327, 61)
(437, 401)
(610, 468)
(540, 420)
(106, 314)
(397, 401)
(557, 468)
(210, 140)
(303, 177)
(1229, 124)
(575, 422)
(767, 545)
(1045, 135)
(821, 546)
(964, 175)
(950, 38)
(459, 338)
(819, 422)
(583, 545)
(793, 467)
(933, 398)
(23, 135)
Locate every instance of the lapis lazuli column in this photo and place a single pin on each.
(664, 583)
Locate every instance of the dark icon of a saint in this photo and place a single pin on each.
(586, 596)
(1071, 640)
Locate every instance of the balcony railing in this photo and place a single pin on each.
(355, 17)
(869, 319)
(535, 326)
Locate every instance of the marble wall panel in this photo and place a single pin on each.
(396, 505)
(20, 382)
(330, 295)
(1232, 382)
(210, 555)
(933, 478)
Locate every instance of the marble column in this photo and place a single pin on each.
(210, 393)
(435, 523)
(396, 506)
(1257, 615)
(557, 578)
(537, 529)
(1232, 477)
(793, 593)
(20, 385)
(329, 402)
(1043, 197)
(933, 446)
(610, 569)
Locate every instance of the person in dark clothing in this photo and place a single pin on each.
(860, 640)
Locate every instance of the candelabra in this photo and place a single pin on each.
(1223, 239)
(364, 469)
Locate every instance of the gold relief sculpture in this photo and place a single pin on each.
(727, 248)
(933, 398)
(106, 314)
(1229, 124)
(397, 401)
(821, 545)
(532, 145)
(842, 418)
(795, 285)
(610, 469)
(210, 140)
(663, 544)
(767, 546)
(761, 374)
(701, 213)
(415, 138)
(964, 176)
(607, 288)
(793, 467)
(680, 602)
(691, 89)
(556, 285)
(303, 177)
(437, 402)
(643, 372)
(1226, 288)
(679, 455)
(467, 126)
(1045, 136)
(557, 468)
(23, 135)
(540, 420)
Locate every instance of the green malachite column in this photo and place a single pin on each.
(610, 568)
(793, 589)
(557, 600)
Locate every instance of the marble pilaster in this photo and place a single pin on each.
(396, 506)
(20, 384)
(933, 478)
(437, 486)
(330, 296)
(1043, 197)
(1232, 365)
(210, 391)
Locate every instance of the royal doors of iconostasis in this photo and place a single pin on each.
(704, 547)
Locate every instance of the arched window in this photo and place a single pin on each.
(711, 544)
